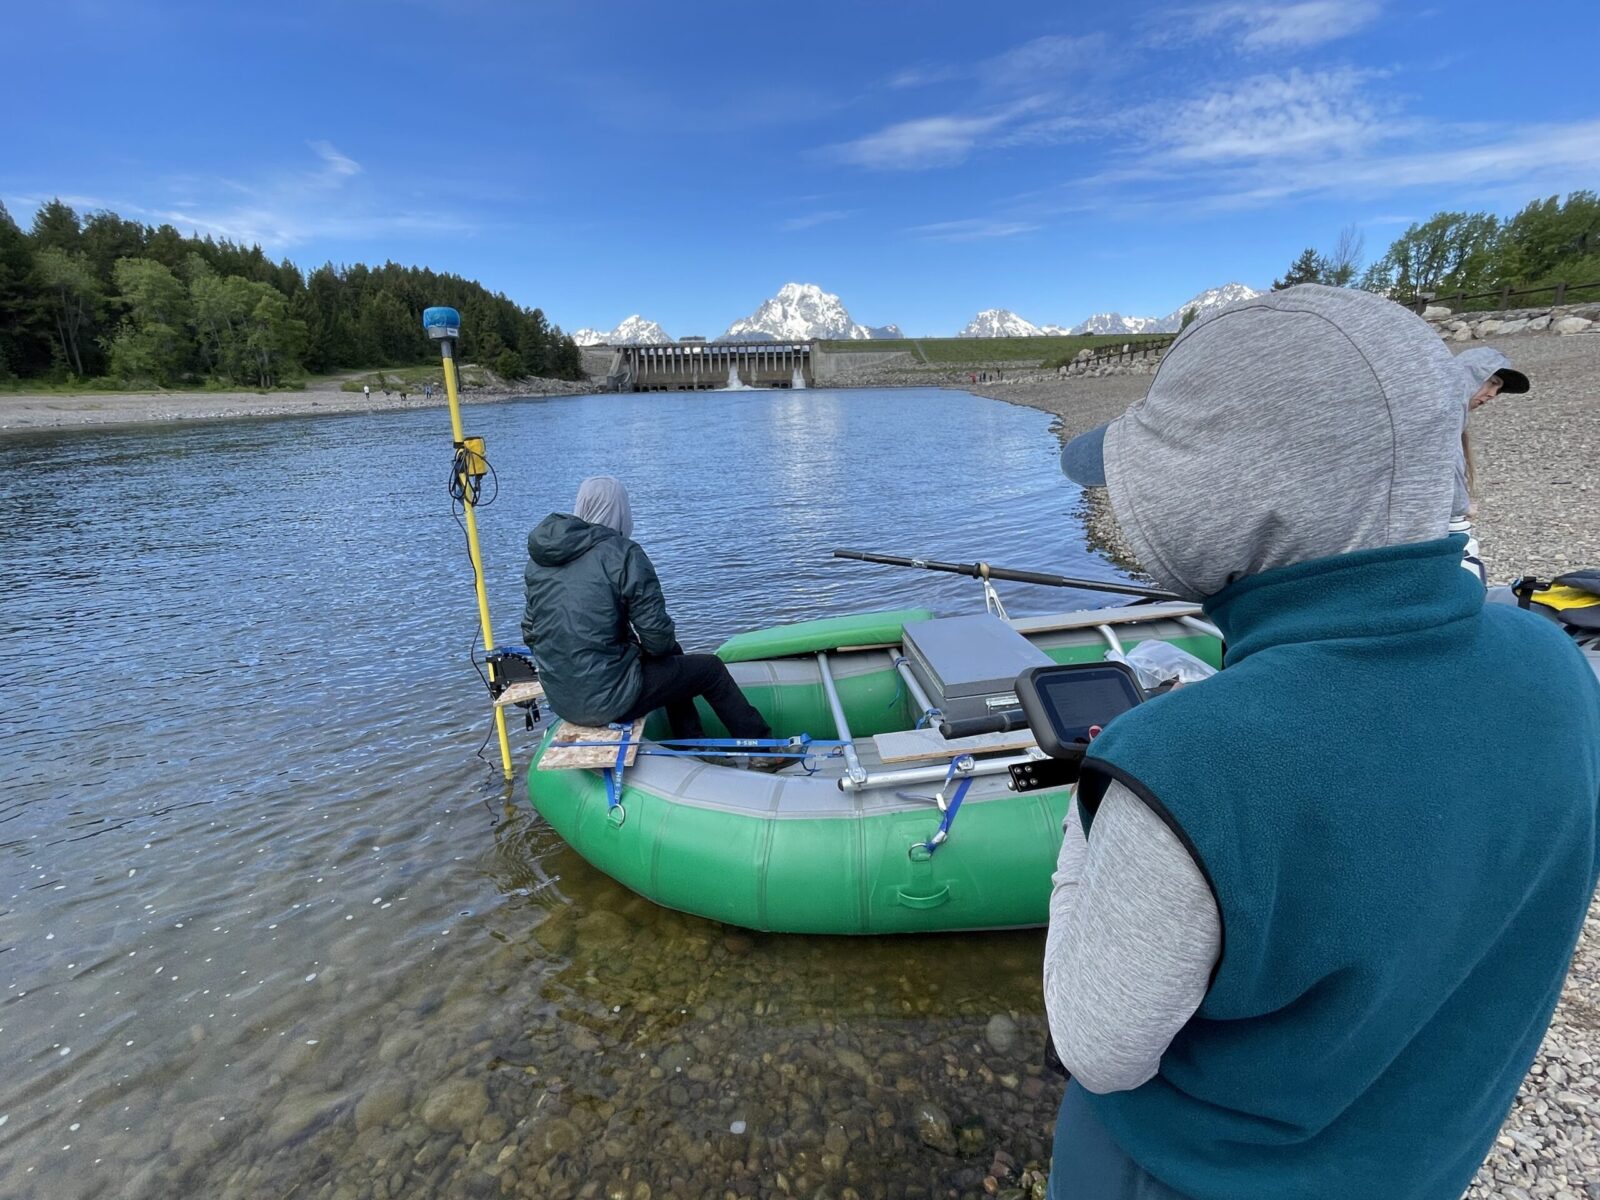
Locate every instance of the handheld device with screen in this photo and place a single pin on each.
(1063, 701)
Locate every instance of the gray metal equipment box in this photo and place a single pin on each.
(969, 665)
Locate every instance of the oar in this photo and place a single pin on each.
(982, 570)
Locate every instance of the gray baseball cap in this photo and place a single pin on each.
(1296, 425)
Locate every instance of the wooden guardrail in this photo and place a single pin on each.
(1131, 347)
(1562, 293)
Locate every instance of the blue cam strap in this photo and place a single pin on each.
(961, 762)
(614, 773)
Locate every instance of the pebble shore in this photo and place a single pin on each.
(31, 412)
(1538, 480)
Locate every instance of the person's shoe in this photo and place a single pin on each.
(770, 764)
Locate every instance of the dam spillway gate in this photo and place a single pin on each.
(710, 366)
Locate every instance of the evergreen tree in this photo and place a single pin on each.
(55, 227)
(24, 345)
(1308, 268)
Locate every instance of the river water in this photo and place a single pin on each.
(269, 924)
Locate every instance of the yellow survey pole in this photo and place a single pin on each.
(444, 326)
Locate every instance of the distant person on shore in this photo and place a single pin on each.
(1488, 373)
(366, 391)
(1300, 945)
(597, 624)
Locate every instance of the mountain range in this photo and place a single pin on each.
(803, 311)
(1002, 322)
(635, 330)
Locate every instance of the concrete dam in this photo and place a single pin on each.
(690, 366)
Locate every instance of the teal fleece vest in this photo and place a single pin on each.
(1392, 790)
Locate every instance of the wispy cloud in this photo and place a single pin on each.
(339, 166)
(1277, 117)
(1261, 27)
(925, 142)
(1043, 61)
(1201, 169)
(975, 229)
(1020, 97)
(812, 220)
(925, 74)
(278, 210)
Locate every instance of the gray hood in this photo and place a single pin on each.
(603, 500)
(1480, 362)
(1297, 425)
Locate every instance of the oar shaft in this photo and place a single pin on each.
(984, 570)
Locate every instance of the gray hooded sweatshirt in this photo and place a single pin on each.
(1295, 426)
(1476, 365)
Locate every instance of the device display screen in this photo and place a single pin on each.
(1078, 699)
(1063, 702)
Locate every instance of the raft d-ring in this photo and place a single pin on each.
(920, 852)
(616, 815)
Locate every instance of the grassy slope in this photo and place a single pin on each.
(956, 351)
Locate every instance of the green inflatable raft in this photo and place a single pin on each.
(845, 848)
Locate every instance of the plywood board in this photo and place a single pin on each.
(561, 756)
(914, 745)
(520, 693)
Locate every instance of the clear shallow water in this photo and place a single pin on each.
(267, 924)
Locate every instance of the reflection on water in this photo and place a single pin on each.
(268, 925)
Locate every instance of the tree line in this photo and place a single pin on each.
(1550, 241)
(103, 298)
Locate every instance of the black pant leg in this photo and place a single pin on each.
(668, 684)
(674, 681)
(713, 681)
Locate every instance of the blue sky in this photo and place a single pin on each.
(683, 161)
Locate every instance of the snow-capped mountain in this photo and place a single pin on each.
(1116, 323)
(999, 322)
(800, 312)
(633, 331)
(1216, 297)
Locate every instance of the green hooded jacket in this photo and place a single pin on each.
(594, 605)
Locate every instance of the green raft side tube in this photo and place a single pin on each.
(829, 633)
(850, 873)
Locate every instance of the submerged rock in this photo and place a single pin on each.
(455, 1106)
(381, 1105)
(933, 1127)
(1001, 1033)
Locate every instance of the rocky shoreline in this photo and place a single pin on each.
(22, 412)
(1538, 459)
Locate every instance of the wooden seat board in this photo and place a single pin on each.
(917, 745)
(520, 693)
(560, 755)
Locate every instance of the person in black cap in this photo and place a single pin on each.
(1299, 944)
(1488, 373)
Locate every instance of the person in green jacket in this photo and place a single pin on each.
(598, 627)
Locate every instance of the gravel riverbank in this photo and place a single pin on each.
(28, 412)
(1538, 478)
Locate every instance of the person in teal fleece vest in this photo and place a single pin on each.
(1302, 946)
